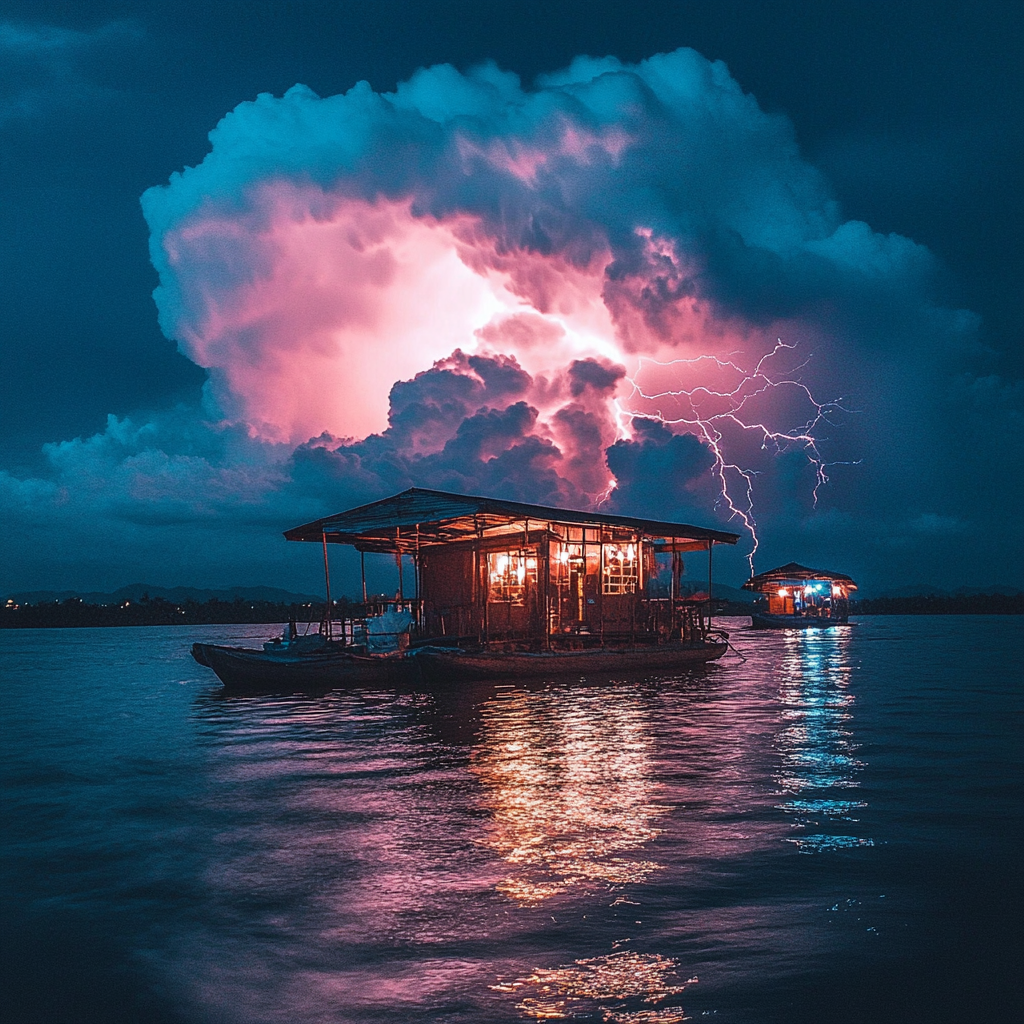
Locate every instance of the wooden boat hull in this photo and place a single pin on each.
(453, 665)
(242, 669)
(765, 621)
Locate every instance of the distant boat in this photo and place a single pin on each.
(502, 590)
(795, 597)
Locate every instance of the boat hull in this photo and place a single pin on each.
(242, 669)
(765, 621)
(439, 665)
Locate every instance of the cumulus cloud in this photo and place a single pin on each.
(361, 237)
(570, 293)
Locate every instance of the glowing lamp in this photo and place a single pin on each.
(783, 592)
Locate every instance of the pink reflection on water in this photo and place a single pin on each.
(569, 781)
(544, 865)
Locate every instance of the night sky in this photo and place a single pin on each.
(457, 279)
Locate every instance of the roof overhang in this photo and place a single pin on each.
(420, 518)
(793, 572)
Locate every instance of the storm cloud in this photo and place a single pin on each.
(571, 293)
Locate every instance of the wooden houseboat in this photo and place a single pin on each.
(500, 589)
(794, 596)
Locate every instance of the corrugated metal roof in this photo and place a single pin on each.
(442, 516)
(793, 572)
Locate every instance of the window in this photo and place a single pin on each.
(508, 575)
(620, 569)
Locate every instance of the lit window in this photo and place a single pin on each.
(621, 569)
(508, 573)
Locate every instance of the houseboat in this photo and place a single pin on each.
(500, 590)
(794, 596)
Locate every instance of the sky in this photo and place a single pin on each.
(748, 266)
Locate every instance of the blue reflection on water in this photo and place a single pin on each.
(817, 747)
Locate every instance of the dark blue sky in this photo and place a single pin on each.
(913, 113)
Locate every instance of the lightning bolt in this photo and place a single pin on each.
(735, 482)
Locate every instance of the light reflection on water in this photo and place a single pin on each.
(818, 750)
(493, 853)
(613, 983)
(568, 779)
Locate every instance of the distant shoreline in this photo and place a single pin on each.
(74, 612)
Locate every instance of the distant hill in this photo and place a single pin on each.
(175, 595)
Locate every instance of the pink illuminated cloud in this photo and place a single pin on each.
(647, 222)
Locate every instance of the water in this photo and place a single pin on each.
(830, 830)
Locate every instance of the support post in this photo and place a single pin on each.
(327, 583)
(583, 582)
(416, 572)
(398, 545)
(529, 596)
(483, 581)
(673, 590)
(362, 572)
(711, 545)
(546, 544)
(636, 592)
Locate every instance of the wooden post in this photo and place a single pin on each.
(673, 589)
(583, 582)
(547, 584)
(529, 596)
(416, 579)
(397, 542)
(485, 582)
(711, 545)
(327, 582)
(636, 593)
(508, 602)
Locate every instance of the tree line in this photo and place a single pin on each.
(160, 612)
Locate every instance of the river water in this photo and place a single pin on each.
(827, 831)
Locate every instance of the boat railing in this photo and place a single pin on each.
(685, 617)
